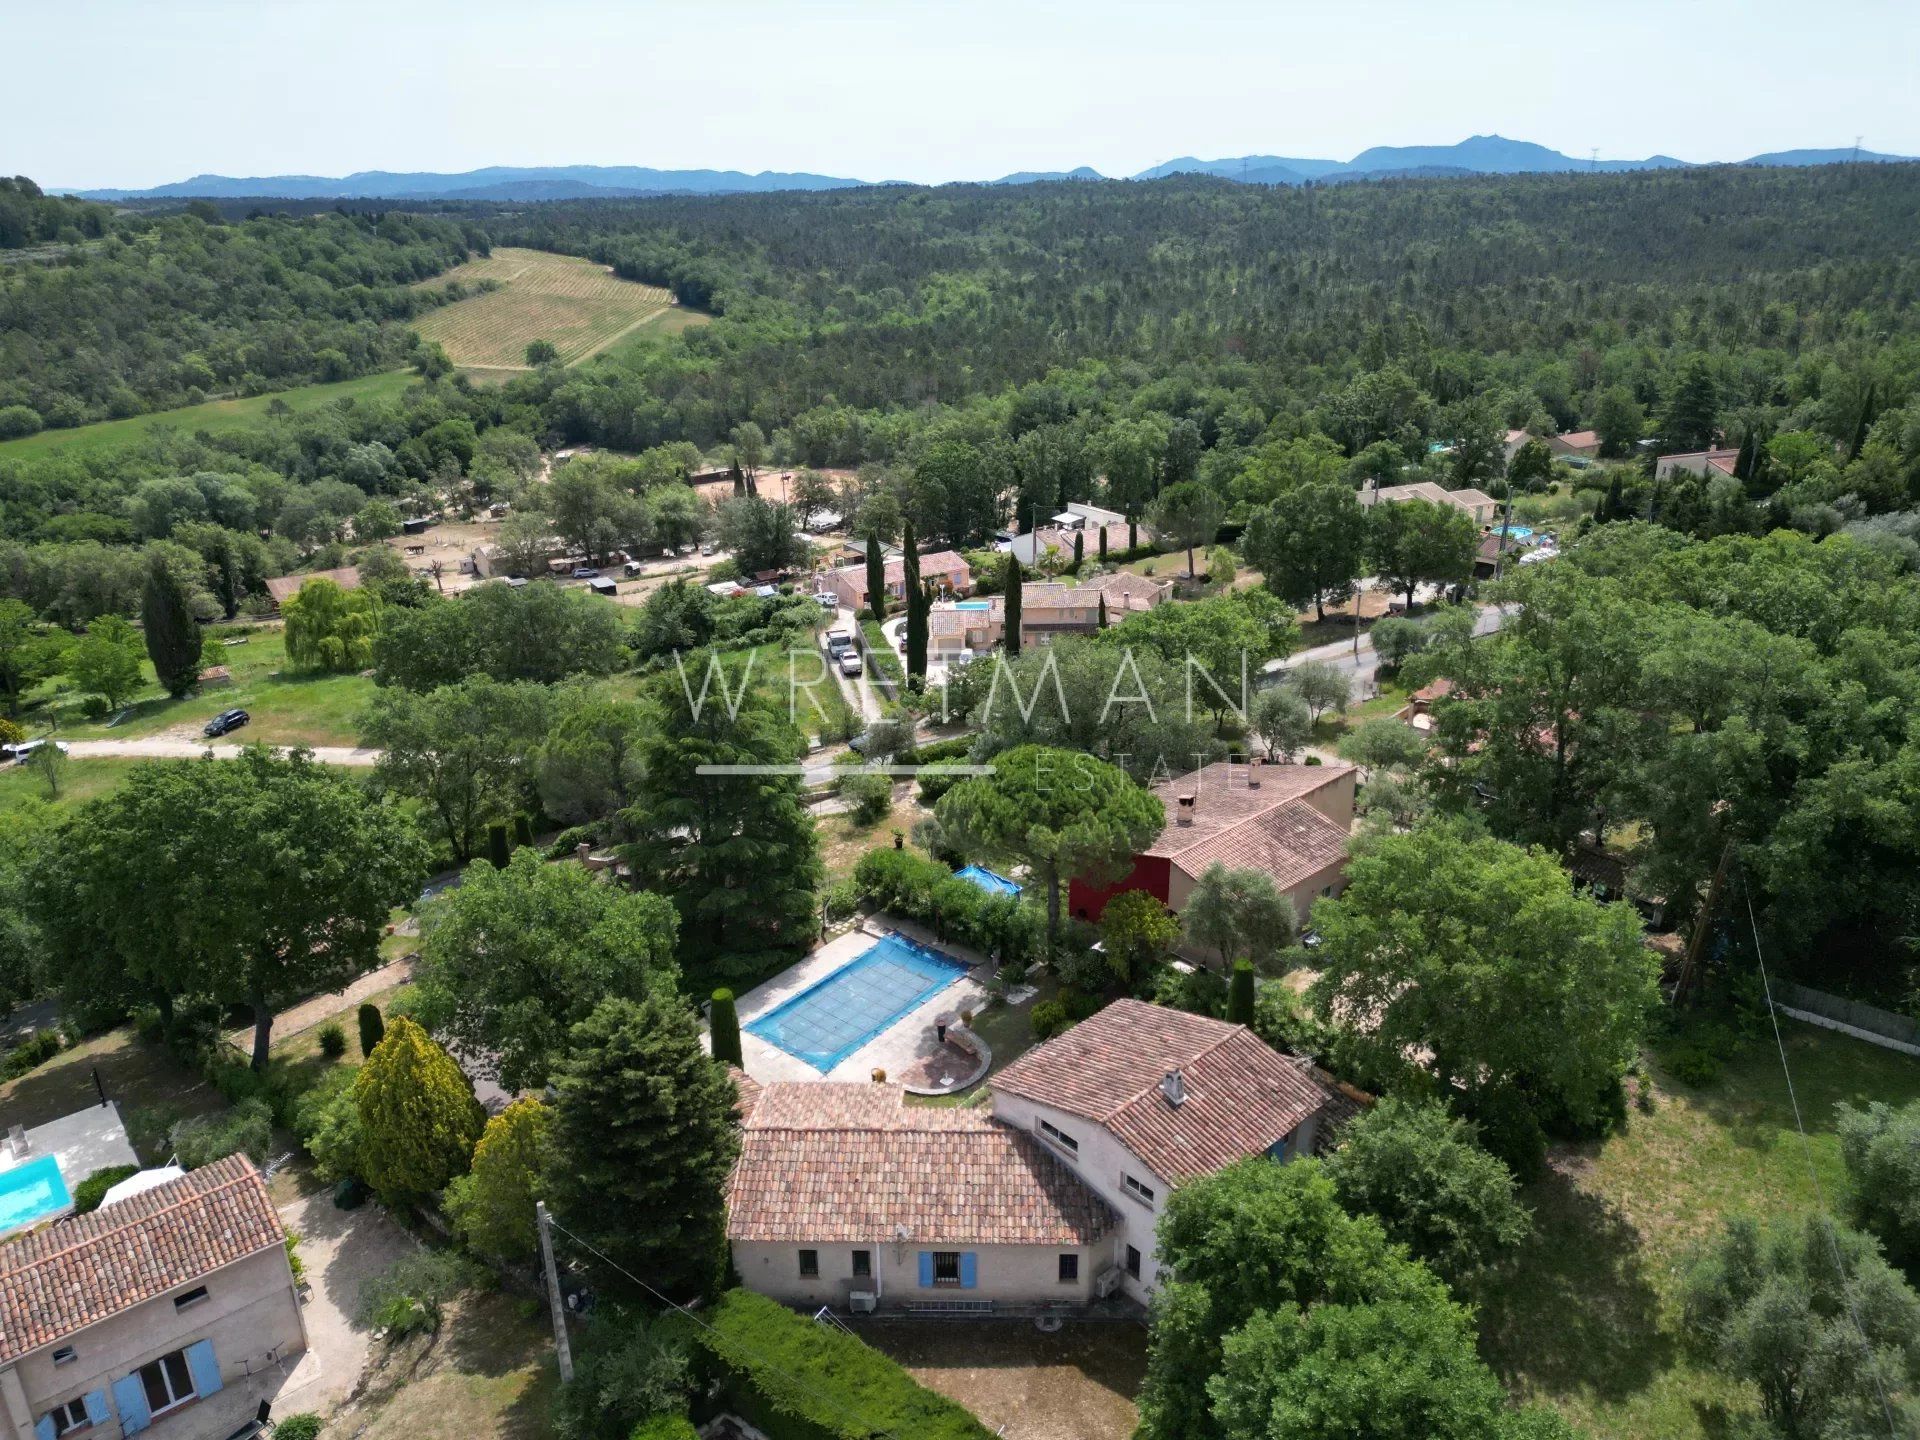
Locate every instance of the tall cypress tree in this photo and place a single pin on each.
(644, 1135)
(876, 578)
(173, 635)
(1014, 582)
(1079, 549)
(917, 604)
(1240, 993)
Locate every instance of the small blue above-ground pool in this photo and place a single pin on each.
(33, 1191)
(1519, 532)
(988, 881)
(835, 1016)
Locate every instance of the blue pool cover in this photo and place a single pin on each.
(988, 881)
(833, 1017)
(30, 1192)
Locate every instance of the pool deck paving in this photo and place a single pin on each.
(909, 1041)
(83, 1142)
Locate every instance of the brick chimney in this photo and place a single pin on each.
(1183, 812)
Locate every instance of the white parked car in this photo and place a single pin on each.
(24, 751)
(850, 663)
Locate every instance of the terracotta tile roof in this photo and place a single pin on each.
(78, 1272)
(1579, 439)
(1227, 795)
(940, 562)
(1425, 490)
(281, 586)
(1286, 844)
(1130, 590)
(850, 1105)
(829, 1163)
(1241, 1094)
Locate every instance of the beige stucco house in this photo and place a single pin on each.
(122, 1320)
(846, 1196)
(1707, 463)
(1047, 611)
(946, 570)
(1480, 507)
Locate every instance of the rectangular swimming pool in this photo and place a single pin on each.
(835, 1016)
(33, 1191)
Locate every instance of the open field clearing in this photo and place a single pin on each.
(580, 306)
(1586, 1315)
(287, 709)
(216, 417)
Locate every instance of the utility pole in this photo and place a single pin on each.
(562, 1349)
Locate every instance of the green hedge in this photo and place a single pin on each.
(958, 747)
(88, 1194)
(907, 883)
(795, 1380)
(880, 655)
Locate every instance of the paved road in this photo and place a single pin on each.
(159, 749)
(1364, 665)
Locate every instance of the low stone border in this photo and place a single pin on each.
(961, 1038)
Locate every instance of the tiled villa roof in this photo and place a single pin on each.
(1241, 1094)
(829, 1163)
(78, 1272)
(1286, 844)
(1227, 795)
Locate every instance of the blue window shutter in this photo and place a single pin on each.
(206, 1369)
(926, 1269)
(96, 1403)
(969, 1272)
(43, 1427)
(130, 1399)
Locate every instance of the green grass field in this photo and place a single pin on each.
(286, 709)
(1587, 1314)
(581, 307)
(216, 416)
(80, 781)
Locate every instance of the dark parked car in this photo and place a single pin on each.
(225, 722)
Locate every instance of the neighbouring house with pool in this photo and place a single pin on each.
(115, 1322)
(845, 1195)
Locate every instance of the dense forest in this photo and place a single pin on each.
(149, 314)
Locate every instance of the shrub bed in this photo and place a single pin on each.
(910, 885)
(850, 1390)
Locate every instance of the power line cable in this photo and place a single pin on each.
(761, 1356)
(1813, 1171)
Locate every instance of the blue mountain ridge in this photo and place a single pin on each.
(1476, 155)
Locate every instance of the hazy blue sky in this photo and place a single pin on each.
(137, 92)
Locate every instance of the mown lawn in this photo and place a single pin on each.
(216, 417)
(1586, 1316)
(150, 1086)
(287, 709)
(488, 1372)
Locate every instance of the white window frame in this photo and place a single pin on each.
(76, 1407)
(159, 1363)
(1137, 1190)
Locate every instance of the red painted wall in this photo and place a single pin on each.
(1150, 873)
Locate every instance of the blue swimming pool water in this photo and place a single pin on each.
(973, 604)
(32, 1191)
(1519, 532)
(832, 1018)
(988, 881)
